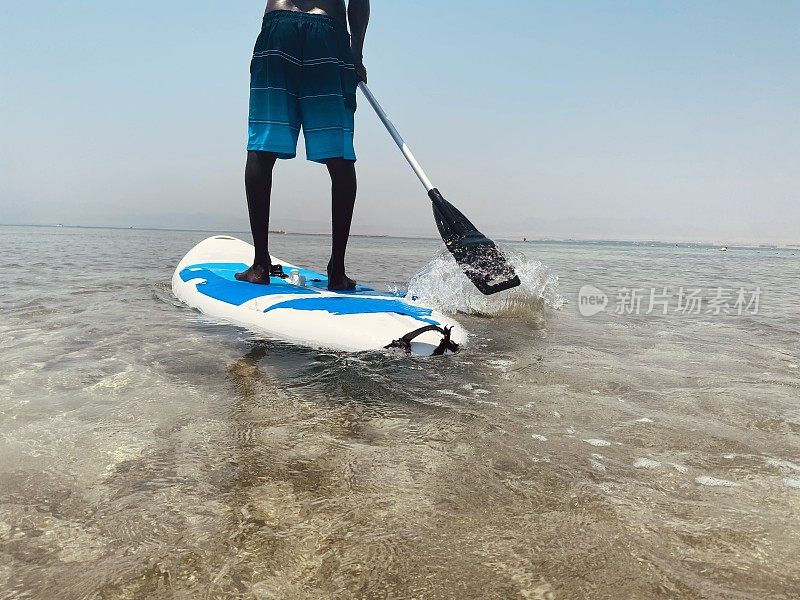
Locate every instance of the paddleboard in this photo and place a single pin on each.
(303, 312)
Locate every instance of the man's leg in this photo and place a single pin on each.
(258, 185)
(343, 200)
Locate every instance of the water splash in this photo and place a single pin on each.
(443, 285)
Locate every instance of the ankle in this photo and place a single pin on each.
(336, 269)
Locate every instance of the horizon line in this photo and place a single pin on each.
(791, 246)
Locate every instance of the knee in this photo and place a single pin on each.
(261, 160)
(259, 165)
(341, 169)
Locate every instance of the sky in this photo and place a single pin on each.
(650, 119)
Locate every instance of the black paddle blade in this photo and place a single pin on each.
(479, 257)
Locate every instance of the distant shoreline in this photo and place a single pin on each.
(658, 243)
(216, 231)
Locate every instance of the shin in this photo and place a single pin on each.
(343, 199)
(258, 185)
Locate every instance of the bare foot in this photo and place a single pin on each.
(341, 283)
(255, 274)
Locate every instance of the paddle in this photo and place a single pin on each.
(479, 257)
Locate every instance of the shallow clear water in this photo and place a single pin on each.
(146, 452)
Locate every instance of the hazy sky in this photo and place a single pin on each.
(594, 119)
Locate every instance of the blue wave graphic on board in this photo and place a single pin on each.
(221, 284)
(353, 305)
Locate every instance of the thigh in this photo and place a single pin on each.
(275, 80)
(328, 92)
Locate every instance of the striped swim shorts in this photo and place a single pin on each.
(302, 75)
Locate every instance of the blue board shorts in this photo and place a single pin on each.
(302, 75)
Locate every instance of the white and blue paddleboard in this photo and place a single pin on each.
(308, 314)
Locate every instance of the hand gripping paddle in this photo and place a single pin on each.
(479, 257)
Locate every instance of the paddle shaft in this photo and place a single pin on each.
(423, 177)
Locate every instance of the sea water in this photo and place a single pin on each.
(628, 452)
(443, 285)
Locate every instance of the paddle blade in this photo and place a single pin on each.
(481, 260)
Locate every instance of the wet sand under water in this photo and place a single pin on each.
(148, 453)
